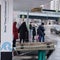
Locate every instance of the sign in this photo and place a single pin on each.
(36, 9)
(6, 46)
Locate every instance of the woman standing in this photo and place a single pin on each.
(15, 34)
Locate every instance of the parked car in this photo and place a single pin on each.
(55, 29)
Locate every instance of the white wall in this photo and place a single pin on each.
(0, 23)
(6, 24)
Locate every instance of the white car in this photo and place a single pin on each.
(56, 29)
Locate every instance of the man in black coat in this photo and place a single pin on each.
(40, 32)
(23, 32)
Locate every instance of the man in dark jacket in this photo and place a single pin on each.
(23, 32)
(40, 32)
(34, 32)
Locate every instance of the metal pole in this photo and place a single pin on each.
(30, 32)
(28, 24)
(28, 19)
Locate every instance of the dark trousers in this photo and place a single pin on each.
(14, 42)
(33, 38)
(22, 38)
(14, 45)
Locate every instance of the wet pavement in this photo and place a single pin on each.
(30, 55)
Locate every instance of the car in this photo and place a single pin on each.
(55, 29)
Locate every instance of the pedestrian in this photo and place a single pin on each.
(30, 32)
(15, 34)
(23, 31)
(40, 32)
(34, 31)
(30, 25)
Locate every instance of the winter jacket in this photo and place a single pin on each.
(15, 31)
(40, 30)
(23, 31)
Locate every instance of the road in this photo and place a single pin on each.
(29, 55)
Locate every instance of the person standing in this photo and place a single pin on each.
(30, 32)
(23, 32)
(40, 32)
(33, 32)
(15, 34)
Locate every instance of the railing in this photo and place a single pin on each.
(35, 46)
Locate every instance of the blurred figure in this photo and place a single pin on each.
(15, 34)
(23, 32)
(30, 26)
(30, 32)
(40, 32)
(34, 31)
